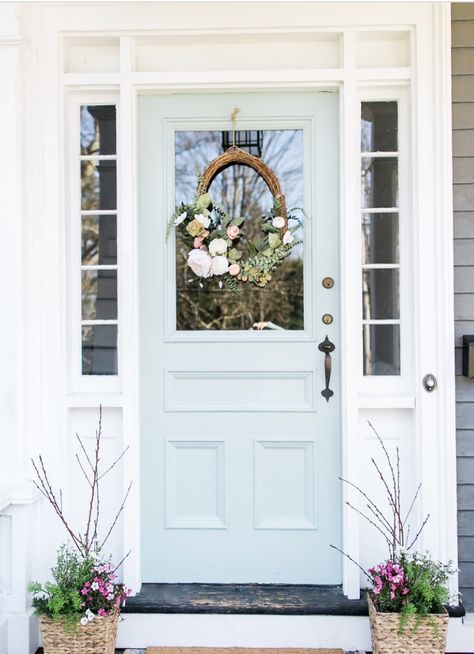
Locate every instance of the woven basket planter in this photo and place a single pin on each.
(429, 637)
(96, 637)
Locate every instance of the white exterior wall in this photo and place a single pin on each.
(86, 51)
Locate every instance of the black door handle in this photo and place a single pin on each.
(327, 347)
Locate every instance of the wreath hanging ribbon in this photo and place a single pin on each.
(214, 237)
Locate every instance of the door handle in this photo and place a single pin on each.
(327, 347)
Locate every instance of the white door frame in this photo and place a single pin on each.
(434, 433)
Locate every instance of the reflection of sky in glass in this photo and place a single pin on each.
(367, 135)
(88, 128)
(282, 151)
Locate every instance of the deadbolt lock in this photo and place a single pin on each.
(327, 319)
(328, 282)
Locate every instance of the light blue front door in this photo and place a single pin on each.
(240, 451)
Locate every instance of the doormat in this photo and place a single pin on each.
(240, 650)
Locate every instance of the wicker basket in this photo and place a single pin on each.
(96, 637)
(429, 637)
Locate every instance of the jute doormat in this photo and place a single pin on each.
(240, 650)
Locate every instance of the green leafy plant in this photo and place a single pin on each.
(61, 598)
(413, 585)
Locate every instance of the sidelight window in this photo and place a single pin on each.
(380, 238)
(98, 208)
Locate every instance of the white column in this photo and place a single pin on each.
(11, 230)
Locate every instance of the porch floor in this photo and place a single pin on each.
(277, 599)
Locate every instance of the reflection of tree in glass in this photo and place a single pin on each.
(241, 193)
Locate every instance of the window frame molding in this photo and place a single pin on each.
(77, 382)
(378, 386)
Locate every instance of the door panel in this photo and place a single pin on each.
(240, 452)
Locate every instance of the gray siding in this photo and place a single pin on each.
(463, 187)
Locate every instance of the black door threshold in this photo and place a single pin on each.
(268, 599)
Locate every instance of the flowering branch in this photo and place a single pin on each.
(393, 527)
(86, 542)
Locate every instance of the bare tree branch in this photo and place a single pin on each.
(87, 541)
(117, 515)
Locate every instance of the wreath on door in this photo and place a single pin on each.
(214, 237)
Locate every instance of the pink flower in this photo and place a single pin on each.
(233, 232)
(234, 269)
(198, 242)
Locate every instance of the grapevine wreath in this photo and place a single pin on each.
(213, 237)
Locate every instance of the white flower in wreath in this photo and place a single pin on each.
(204, 220)
(217, 246)
(200, 263)
(84, 621)
(278, 222)
(219, 265)
(90, 616)
(179, 219)
(288, 238)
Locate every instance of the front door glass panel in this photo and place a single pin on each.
(241, 192)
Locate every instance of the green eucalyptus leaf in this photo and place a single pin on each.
(252, 249)
(268, 252)
(238, 221)
(274, 241)
(203, 201)
(235, 254)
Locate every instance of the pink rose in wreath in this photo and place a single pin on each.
(233, 232)
(198, 242)
(234, 269)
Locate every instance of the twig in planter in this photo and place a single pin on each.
(352, 560)
(84, 449)
(411, 507)
(46, 490)
(121, 562)
(95, 481)
(118, 514)
(87, 541)
(419, 532)
(114, 463)
(370, 522)
(83, 471)
(394, 528)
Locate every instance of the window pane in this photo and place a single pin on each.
(241, 193)
(99, 294)
(99, 240)
(379, 127)
(99, 350)
(379, 182)
(380, 238)
(380, 294)
(381, 349)
(98, 185)
(98, 130)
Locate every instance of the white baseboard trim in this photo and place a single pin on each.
(19, 633)
(205, 630)
(350, 633)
